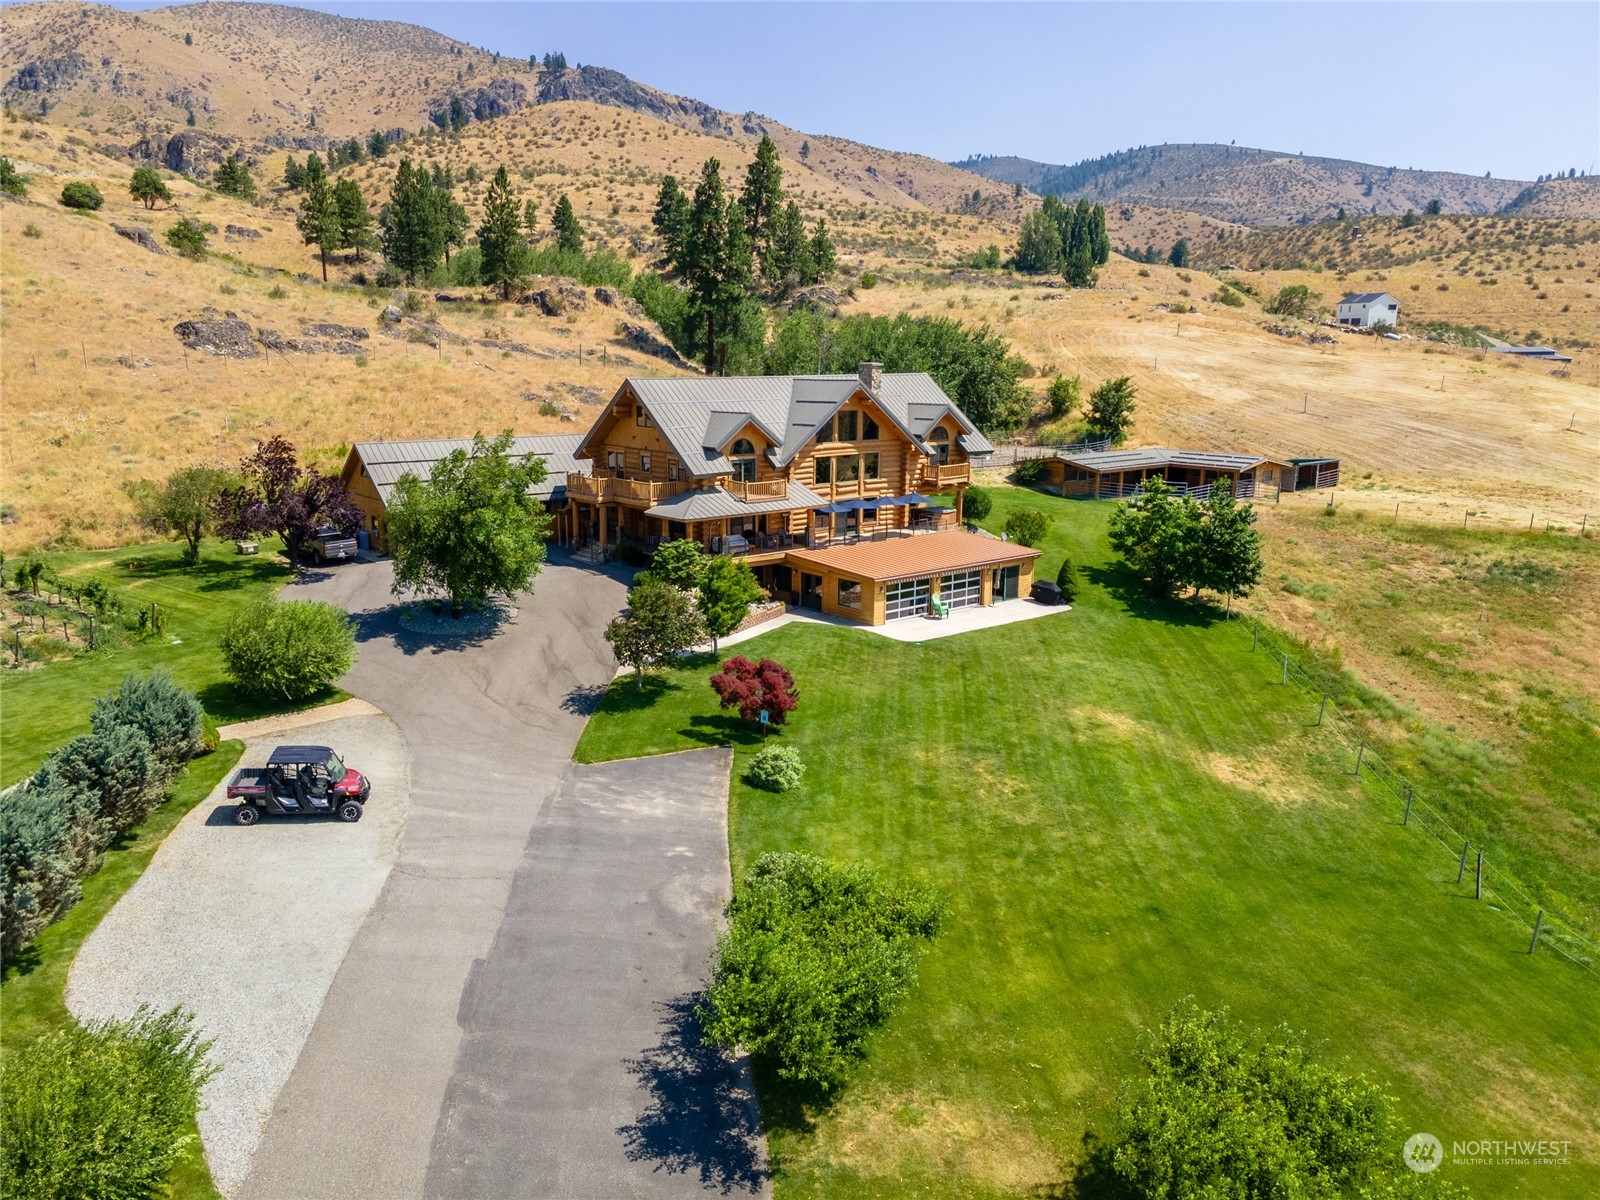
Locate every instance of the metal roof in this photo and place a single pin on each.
(1364, 297)
(1103, 461)
(714, 503)
(924, 554)
(698, 416)
(298, 754)
(386, 462)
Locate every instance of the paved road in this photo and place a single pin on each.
(491, 724)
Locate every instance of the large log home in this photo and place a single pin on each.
(822, 483)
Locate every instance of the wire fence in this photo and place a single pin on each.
(1488, 881)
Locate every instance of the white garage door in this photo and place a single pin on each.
(908, 599)
(961, 591)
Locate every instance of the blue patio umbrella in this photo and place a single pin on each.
(913, 498)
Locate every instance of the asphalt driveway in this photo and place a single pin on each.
(516, 898)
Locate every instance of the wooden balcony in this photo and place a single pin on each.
(587, 489)
(763, 489)
(939, 477)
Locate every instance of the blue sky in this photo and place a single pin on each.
(1513, 89)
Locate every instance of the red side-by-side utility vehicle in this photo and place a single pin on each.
(299, 781)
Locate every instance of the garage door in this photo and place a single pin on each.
(908, 599)
(961, 591)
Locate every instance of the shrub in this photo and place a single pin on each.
(288, 649)
(164, 711)
(776, 769)
(210, 737)
(1229, 297)
(101, 1110)
(188, 238)
(1296, 300)
(976, 504)
(117, 774)
(41, 869)
(80, 195)
(754, 688)
(1067, 580)
(868, 280)
(1029, 471)
(1026, 526)
(1063, 396)
(816, 955)
(12, 182)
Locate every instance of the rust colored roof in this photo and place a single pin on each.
(913, 557)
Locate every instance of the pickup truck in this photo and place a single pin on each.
(327, 545)
(299, 781)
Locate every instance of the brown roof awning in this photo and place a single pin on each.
(914, 557)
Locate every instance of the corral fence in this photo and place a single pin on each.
(1476, 874)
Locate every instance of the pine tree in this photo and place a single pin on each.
(1180, 253)
(458, 115)
(294, 175)
(1099, 236)
(411, 225)
(377, 144)
(789, 256)
(232, 178)
(569, 233)
(453, 220)
(318, 221)
(823, 259)
(530, 218)
(671, 221)
(717, 263)
(762, 198)
(505, 251)
(355, 219)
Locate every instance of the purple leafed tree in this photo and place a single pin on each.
(279, 496)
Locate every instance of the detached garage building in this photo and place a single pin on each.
(373, 468)
(1363, 310)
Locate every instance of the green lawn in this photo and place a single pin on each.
(1124, 808)
(50, 705)
(32, 994)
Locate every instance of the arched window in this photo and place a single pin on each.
(940, 438)
(743, 455)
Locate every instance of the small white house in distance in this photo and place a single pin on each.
(1366, 309)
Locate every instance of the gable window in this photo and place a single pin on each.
(743, 456)
(825, 431)
(823, 470)
(869, 466)
(672, 469)
(615, 460)
(869, 429)
(941, 445)
(849, 423)
(640, 416)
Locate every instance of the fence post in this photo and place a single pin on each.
(1255, 633)
(1538, 924)
(1322, 708)
(1462, 872)
(1285, 667)
(1361, 752)
(1477, 890)
(1411, 794)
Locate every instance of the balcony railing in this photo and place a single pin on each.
(942, 475)
(764, 489)
(605, 490)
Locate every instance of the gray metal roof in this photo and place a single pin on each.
(386, 462)
(1156, 456)
(698, 416)
(1364, 297)
(714, 503)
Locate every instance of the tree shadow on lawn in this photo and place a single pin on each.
(1122, 583)
(722, 730)
(213, 575)
(227, 702)
(1094, 1176)
(625, 694)
(702, 1117)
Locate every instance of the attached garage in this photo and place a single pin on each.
(908, 598)
(962, 590)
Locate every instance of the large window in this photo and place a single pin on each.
(743, 456)
(823, 470)
(849, 594)
(825, 431)
(847, 469)
(869, 466)
(869, 429)
(941, 445)
(849, 426)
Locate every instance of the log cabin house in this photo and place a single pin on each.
(1112, 474)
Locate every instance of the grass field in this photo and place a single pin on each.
(32, 995)
(49, 705)
(1123, 810)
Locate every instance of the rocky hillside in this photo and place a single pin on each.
(186, 86)
(1264, 187)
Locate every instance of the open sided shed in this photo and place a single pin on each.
(1111, 474)
(373, 468)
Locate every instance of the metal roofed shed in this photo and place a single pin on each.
(1114, 474)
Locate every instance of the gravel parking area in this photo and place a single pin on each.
(247, 927)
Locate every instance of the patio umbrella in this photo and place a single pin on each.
(913, 498)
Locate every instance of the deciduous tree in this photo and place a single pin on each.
(277, 495)
(1157, 534)
(727, 589)
(1111, 407)
(754, 688)
(184, 507)
(659, 622)
(1026, 526)
(1228, 555)
(148, 187)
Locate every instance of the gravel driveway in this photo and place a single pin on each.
(247, 928)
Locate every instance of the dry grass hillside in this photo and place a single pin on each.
(1558, 198)
(1259, 187)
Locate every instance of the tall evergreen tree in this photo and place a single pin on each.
(1180, 253)
(500, 240)
(762, 198)
(671, 220)
(294, 175)
(411, 227)
(355, 219)
(717, 261)
(318, 221)
(232, 178)
(569, 233)
(377, 144)
(823, 258)
(453, 220)
(1099, 237)
(1038, 243)
(789, 255)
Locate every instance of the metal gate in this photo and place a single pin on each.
(907, 599)
(962, 591)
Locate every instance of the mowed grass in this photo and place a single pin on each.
(1124, 808)
(33, 992)
(49, 705)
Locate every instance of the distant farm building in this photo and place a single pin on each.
(373, 468)
(1112, 474)
(1538, 353)
(1363, 310)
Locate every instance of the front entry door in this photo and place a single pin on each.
(811, 591)
(1005, 583)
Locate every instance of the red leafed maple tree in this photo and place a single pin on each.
(751, 687)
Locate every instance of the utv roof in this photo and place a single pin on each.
(299, 754)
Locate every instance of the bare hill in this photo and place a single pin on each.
(1259, 187)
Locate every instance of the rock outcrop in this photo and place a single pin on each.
(139, 236)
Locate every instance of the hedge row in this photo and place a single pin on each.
(56, 826)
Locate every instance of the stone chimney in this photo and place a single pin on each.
(871, 376)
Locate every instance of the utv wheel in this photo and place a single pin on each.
(350, 810)
(246, 814)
